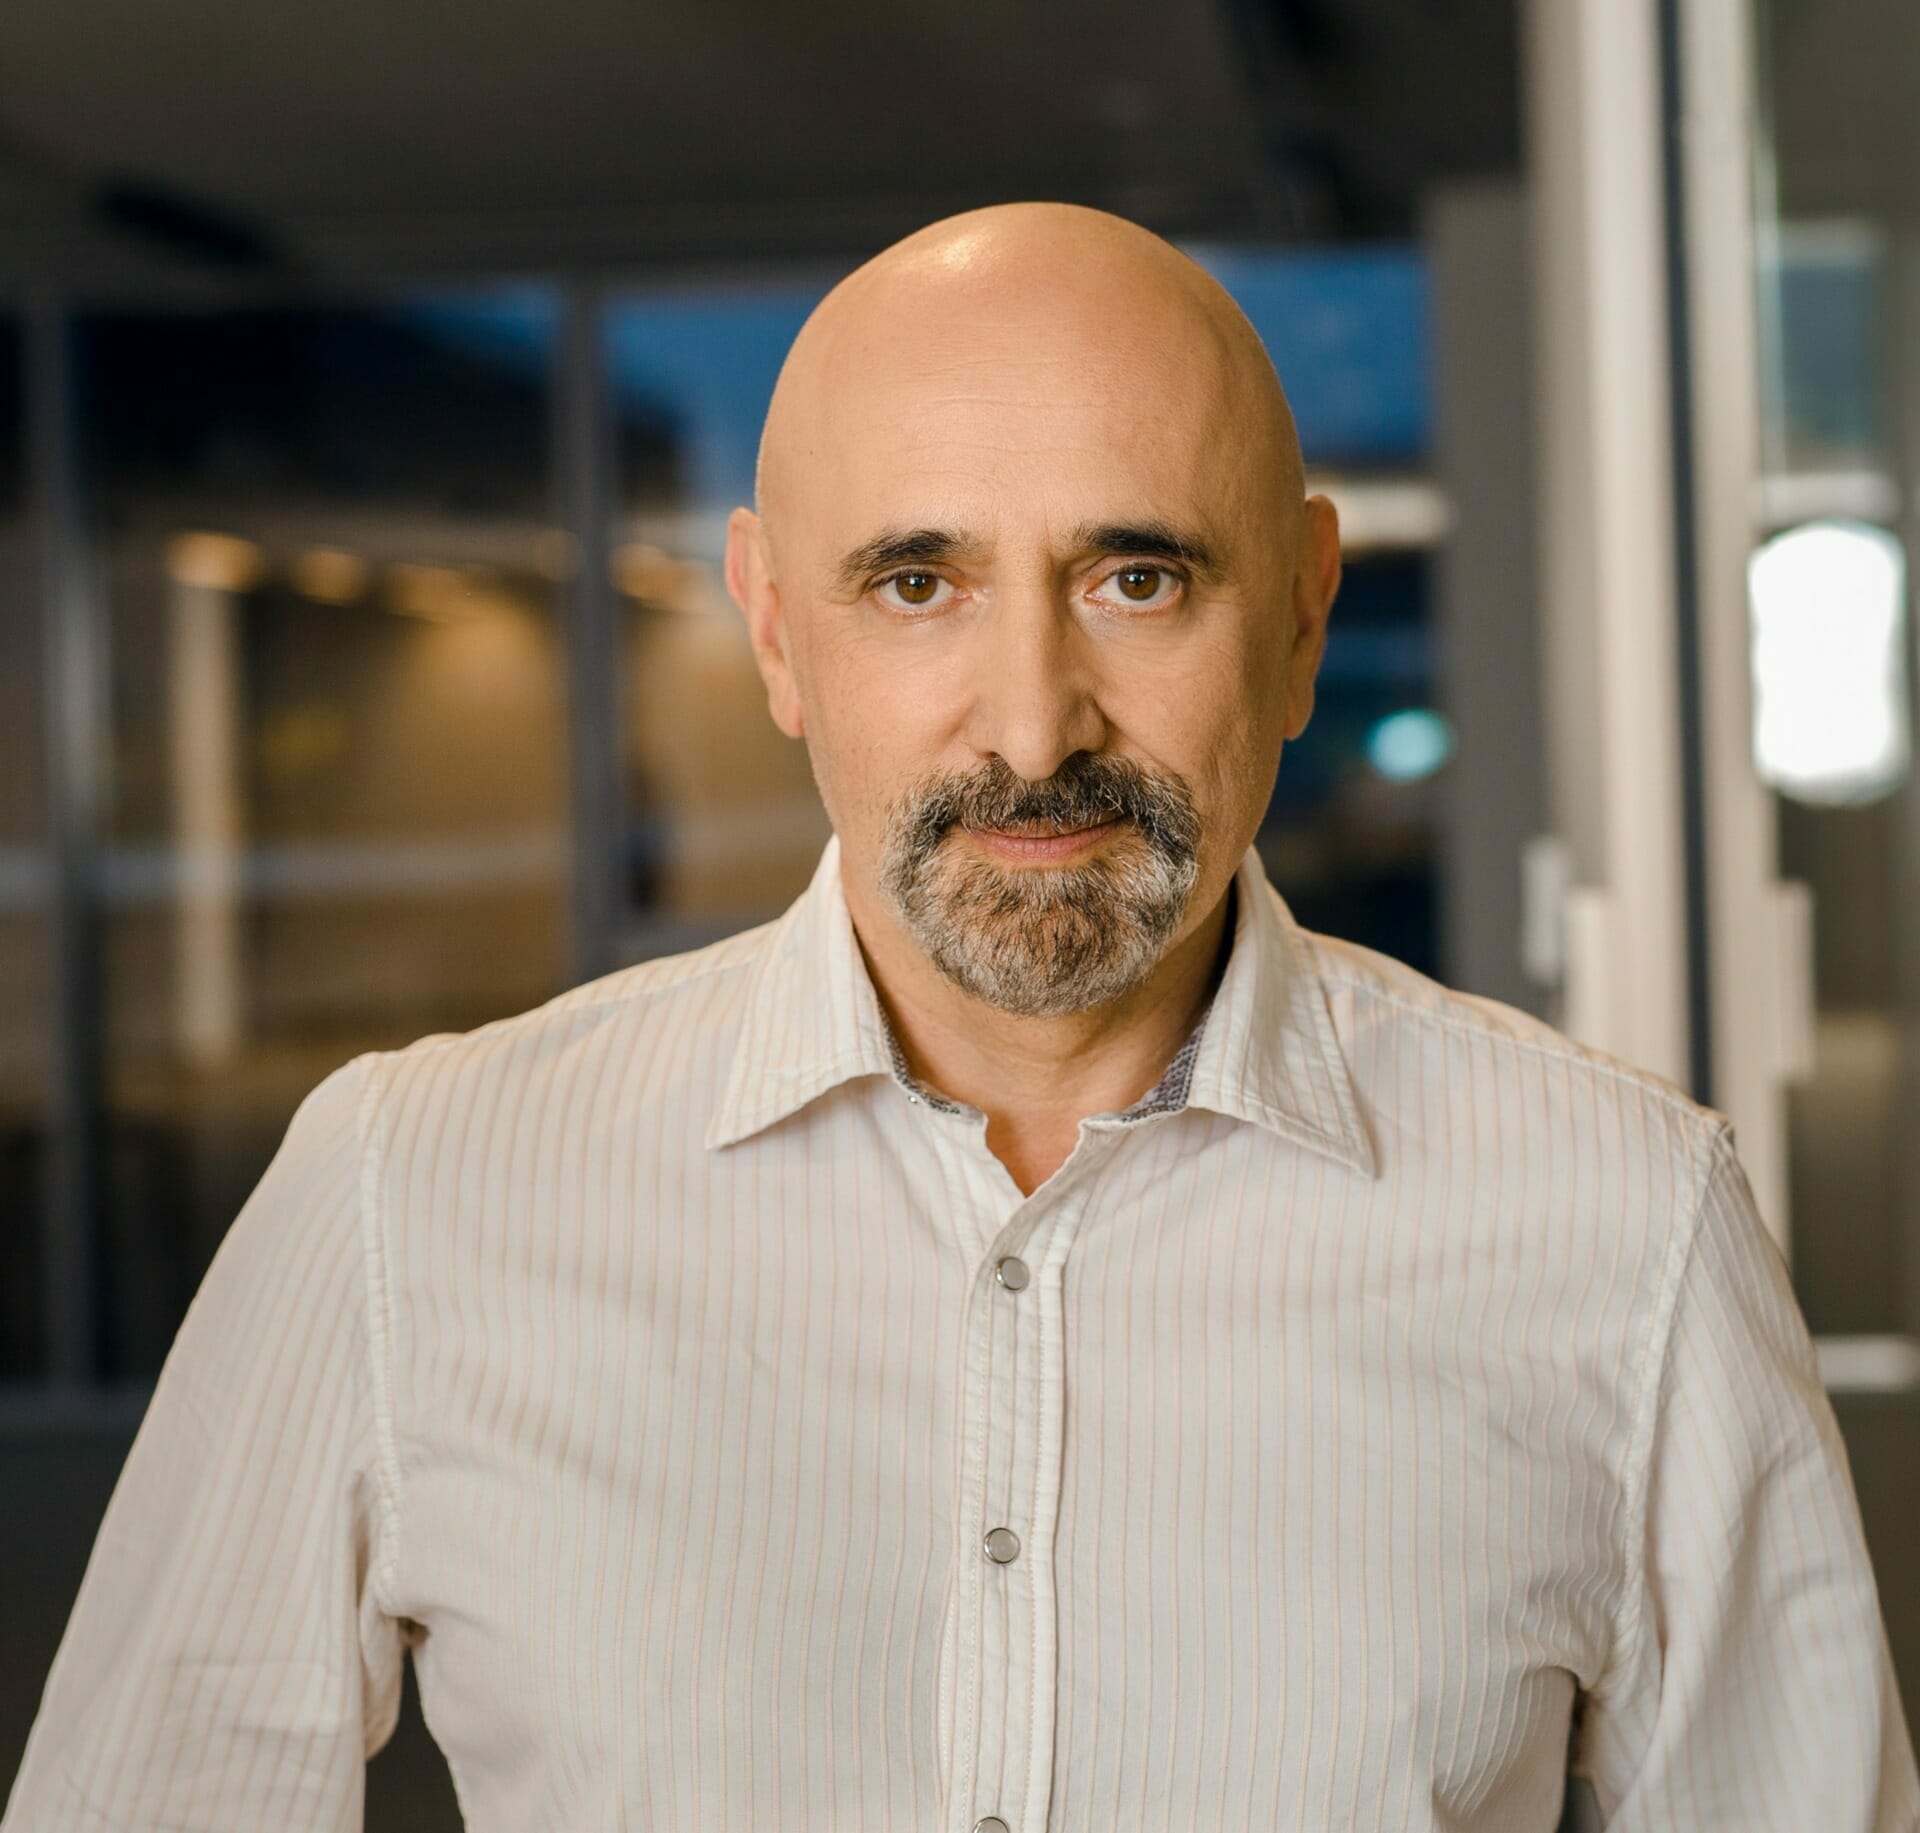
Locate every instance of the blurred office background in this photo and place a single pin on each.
(374, 384)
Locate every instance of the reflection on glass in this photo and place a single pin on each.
(337, 816)
(1837, 296)
(1353, 848)
(1824, 420)
(724, 824)
(26, 956)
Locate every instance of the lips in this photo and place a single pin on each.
(1040, 831)
(1039, 843)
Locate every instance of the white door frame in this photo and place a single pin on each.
(1602, 390)
(1605, 392)
(1760, 929)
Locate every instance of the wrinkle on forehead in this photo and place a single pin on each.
(1022, 304)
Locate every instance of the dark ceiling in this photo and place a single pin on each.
(150, 146)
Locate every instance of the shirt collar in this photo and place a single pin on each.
(1266, 1052)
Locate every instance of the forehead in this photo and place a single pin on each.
(1000, 416)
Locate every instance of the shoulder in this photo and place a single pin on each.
(1522, 1084)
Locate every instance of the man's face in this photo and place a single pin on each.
(1044, 627)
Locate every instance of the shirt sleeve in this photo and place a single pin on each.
(1753, 1687)
(229, 1663)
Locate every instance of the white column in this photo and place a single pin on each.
(1762, 970)
(1609, 643)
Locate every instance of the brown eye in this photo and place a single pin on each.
(1139, 583)
(916, 588)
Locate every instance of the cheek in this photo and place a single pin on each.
(1232, 781)
(1252, 691)
(1218, 718)
(870, 728)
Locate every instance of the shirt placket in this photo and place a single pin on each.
(1001, 1665)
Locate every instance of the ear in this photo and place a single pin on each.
(751, 585)
(1316, 582)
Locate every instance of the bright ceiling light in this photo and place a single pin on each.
(1828, 605)
(330, 574)
(215, 562)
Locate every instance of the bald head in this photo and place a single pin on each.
(1042, 296)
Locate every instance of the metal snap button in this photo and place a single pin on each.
(1002, 1544)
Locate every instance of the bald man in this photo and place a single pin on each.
(1033, 1338)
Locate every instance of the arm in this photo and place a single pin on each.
(229, 1663)
(1752, 1686)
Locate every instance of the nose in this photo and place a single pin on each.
(1036, 703)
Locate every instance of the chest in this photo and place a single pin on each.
(1147, 1502)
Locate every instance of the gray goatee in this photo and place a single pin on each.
(1045, 940)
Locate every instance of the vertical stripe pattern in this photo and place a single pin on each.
(1402, 1402)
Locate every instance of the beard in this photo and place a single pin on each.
(1045, 940)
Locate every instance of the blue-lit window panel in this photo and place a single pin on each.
(723, 822)
(1353, 851)
(508, 328)
(1348, 330)
(705, 363)
(1822, 307)
(1391, 657)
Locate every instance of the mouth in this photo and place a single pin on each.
(1034, 843)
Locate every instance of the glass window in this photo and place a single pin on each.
(337, 817)
(1838, 292)
(1351, 838)
(724, 824)
(27, 1014)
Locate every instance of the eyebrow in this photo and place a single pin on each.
(892, 548)
(1158, 539)
(900, 547)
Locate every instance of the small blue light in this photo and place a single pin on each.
(1409, 745)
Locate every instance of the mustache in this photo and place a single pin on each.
(1089, 787)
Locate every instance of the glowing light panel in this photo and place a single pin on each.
(1828, 611)
(1409, 745)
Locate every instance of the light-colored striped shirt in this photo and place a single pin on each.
(1399, 1405)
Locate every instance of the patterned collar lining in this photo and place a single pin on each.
(1166, 1096)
